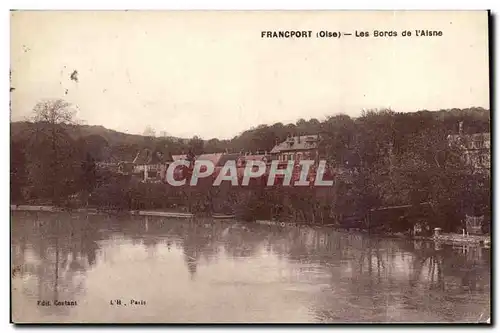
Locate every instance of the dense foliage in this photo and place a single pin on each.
(387, 158)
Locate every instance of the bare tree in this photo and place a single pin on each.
(54, 112)
(52, 146)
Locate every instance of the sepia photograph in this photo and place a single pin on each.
(250, 167)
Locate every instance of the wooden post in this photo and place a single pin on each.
(368, 218)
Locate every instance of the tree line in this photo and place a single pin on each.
(390, 158)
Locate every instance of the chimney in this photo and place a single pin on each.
(460, 127)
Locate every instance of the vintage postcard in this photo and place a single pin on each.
(250, 167)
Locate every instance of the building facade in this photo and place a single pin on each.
(476, 149)
(149, 164)
(297, 148)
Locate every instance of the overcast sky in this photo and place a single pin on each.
(211, 74)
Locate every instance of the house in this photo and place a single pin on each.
(108, 166)
(244, 158)
(149, 164)
(218, 160)
(125, 168)
(214, 158)
(476, 148)
(224, 158)
(296, 148)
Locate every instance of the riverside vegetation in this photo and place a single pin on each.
(384, 158)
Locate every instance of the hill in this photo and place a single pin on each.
(123, 146)
(119, 146)
(20, 130)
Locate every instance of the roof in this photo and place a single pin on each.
(227, 157)
(471, 141)
(303, 142)
(147, 156)
(260, 157)
(475, 136)
(214, 158)
(178, 157)
(143, 156)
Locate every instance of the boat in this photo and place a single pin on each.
(278, 223)
(223, 216)
(36, 208)
(163, 214)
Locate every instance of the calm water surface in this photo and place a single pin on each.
(168, 271)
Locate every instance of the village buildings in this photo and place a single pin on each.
(151, 166)
(150, 163)
(476, 149)
(297, 148)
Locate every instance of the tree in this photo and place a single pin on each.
(52, 152)
(337, 138)
(17, 171)
(196, 145)
(85, 178)
(96, 146)
(54, 112)
(215, 146)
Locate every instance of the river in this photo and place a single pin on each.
(113, 269)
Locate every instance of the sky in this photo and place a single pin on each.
(211, 74)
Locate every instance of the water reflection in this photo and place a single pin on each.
(217, 271)
(52, 254)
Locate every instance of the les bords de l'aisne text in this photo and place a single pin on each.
(356, 33)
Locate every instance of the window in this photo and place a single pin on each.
(478, 143)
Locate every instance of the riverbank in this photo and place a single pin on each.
(447, 238)
(94, 211)
(453, 238)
